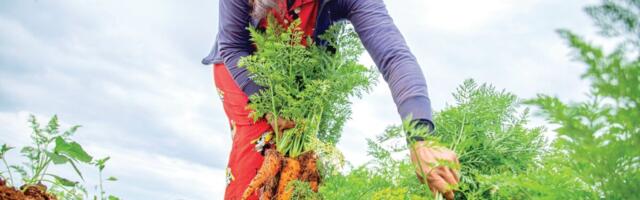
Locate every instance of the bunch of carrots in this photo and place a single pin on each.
(309, 85)
(302, 168)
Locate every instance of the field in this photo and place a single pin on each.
(594, 152)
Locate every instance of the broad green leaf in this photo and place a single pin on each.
(63, 181)
(111, 178)
(111, 197)
(57, 158)
(72, 149)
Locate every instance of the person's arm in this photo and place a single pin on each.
(398, 66)
(234, 41)
(401, 71)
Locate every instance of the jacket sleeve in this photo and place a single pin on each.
(389, 51)
(234, 41)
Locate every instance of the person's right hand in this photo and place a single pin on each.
(281, 123)
(441, 178)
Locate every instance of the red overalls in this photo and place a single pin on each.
(245, 158)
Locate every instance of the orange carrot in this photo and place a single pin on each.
(290, 172)
(310, 172)
(314, 185)
(270, 167)
(268, 188)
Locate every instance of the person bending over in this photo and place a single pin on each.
(380, 37)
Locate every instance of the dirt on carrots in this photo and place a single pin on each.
(310, 170)
(277, 171)
(34, 192)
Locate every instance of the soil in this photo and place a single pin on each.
(309, 173)
(310, 170)
(32, 192)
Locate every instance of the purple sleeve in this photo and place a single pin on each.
(234, 41)
(387, 47)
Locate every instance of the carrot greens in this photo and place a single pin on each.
(310, 85)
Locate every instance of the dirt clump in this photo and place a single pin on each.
(32, 192)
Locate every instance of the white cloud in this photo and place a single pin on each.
(129, 72)
(464, 16)
(161, 177)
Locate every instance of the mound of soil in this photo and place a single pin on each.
(32, 192)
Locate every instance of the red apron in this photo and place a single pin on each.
(246, 158)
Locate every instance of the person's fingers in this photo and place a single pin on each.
(433, 189)
(449, 195)
(281, 123)
(438, 183)
(432, 186)
(286, 124)
(269, 116)
(447, 175)
(455, 174)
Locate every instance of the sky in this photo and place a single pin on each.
(129, 72)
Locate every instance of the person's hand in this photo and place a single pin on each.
(281, 123)
(442, 178)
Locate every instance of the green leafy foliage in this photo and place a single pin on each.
(3, 150)
(485, 128)
(595, 155)
(310, 85)
(52, 146)
(489, 135)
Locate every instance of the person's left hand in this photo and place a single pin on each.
(281, 123)
(442, 178)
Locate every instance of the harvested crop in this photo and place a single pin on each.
(310, 171)
(290, 172)
(309, 85)
(269, 188)
(270, 168)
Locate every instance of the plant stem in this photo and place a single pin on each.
(273, 110)
(422, 175)
(455, 145)
(101, 189)
(8, 170)
(40, 171)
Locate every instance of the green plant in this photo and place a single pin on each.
(489, 135)
(310, 85)
(51, 146)
(3, 150)
(101, 164)
(486, 130)
(595, 154)
(381, 178)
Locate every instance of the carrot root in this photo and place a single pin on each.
(270, 167)
(310, 173)
(290, 172)
(268, 190)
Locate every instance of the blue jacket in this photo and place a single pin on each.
(376, 29)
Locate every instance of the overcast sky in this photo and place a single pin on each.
(130, 73)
